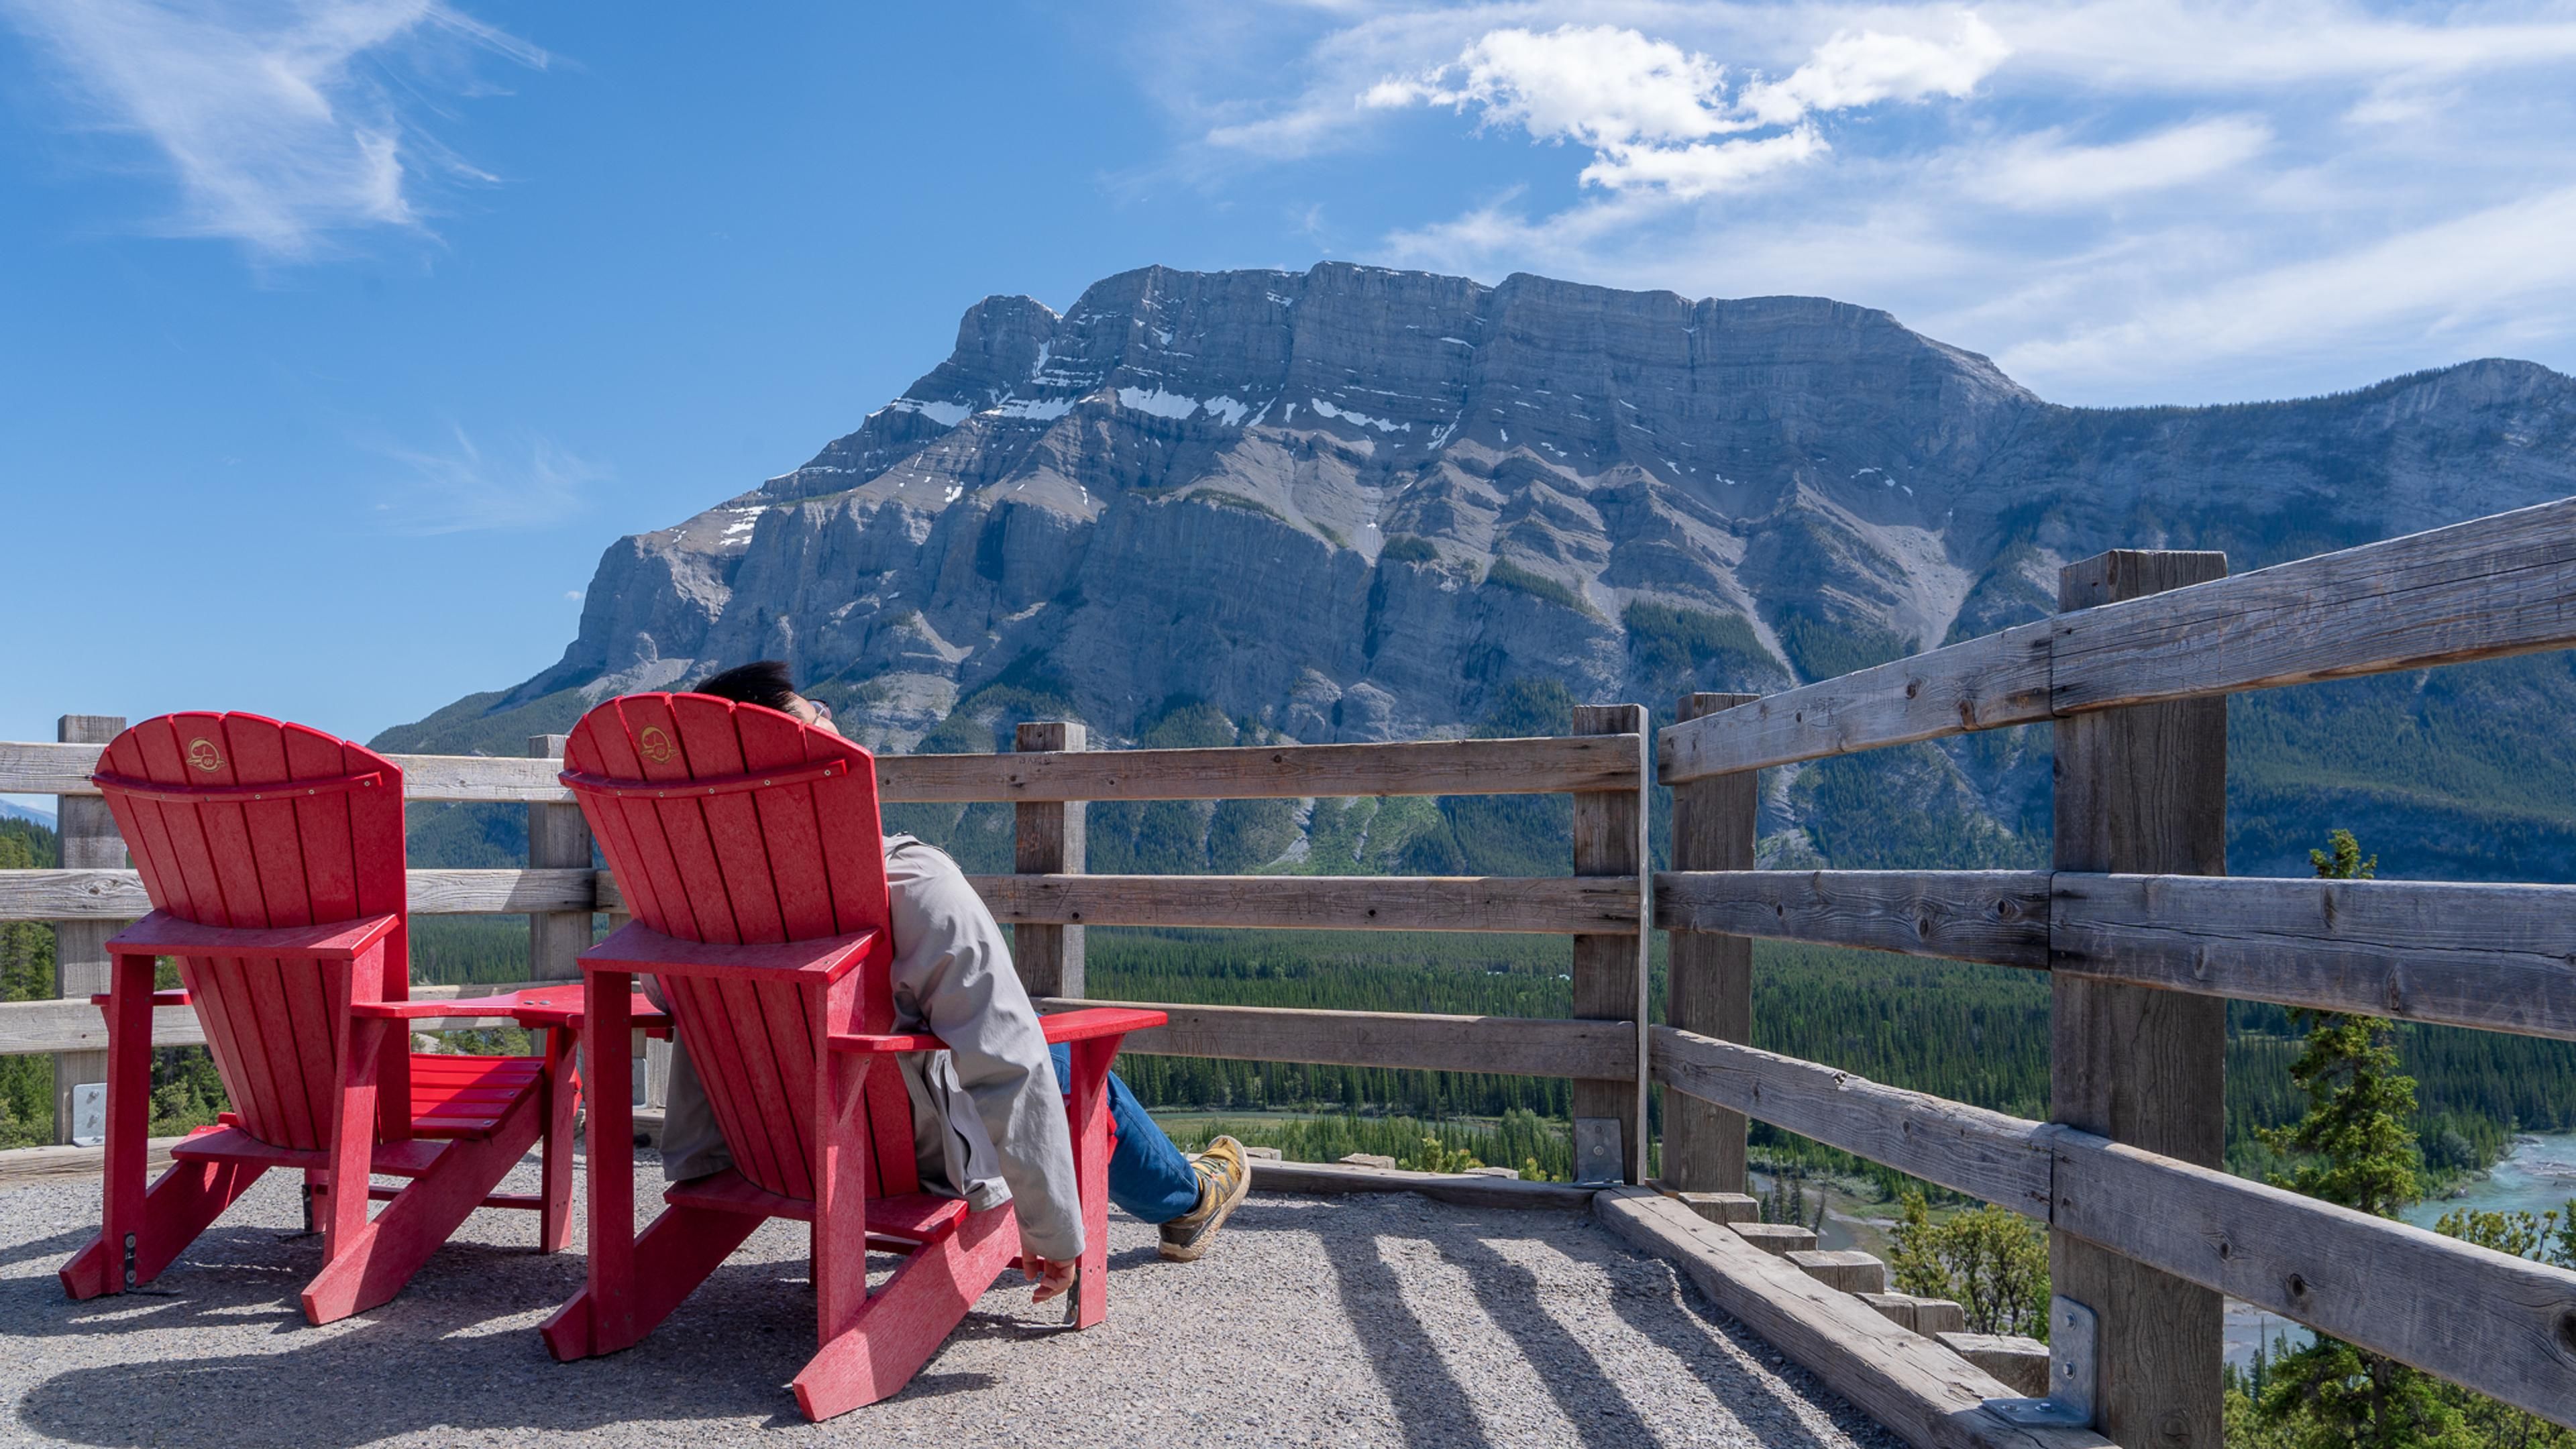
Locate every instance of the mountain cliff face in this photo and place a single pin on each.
(1357, 504)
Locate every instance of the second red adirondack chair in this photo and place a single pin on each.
(746, 845)
(273, 855)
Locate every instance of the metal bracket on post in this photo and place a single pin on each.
(1599, 1155)
(2074, 1363)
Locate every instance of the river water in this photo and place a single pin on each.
(2537, 1176)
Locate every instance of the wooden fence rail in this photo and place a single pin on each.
(2494, 586)
(2502, 1325)
(2494, 957)
(1259, 772)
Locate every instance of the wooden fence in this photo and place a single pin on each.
(2142, 934)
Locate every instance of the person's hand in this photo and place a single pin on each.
(1052, 1278)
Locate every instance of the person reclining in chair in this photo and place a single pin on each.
(988, 1116)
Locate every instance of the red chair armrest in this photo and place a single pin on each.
(162, 934)
(1083, 1025)
(636, 947)
(1092, 1021)
(159, 998)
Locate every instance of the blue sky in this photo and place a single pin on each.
(339, 338)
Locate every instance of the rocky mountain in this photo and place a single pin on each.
(1360, 504)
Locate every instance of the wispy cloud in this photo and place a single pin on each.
(458, 489)
(278, 122)
(2123, 200)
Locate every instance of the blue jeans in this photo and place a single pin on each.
(1148, 1176)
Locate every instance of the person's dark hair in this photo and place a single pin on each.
(763, 682)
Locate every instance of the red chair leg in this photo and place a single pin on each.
(185, 1202)
(559, 1096)
(1090, 1108)
(102, 1267)
(906, 1321)
(672, 1258)
(370, 1265)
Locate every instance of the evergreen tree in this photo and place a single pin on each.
(2354, 1147)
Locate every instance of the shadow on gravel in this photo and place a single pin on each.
(1583, 1389)
(1428, 1399)
(1681, 1326)
(59, 1247)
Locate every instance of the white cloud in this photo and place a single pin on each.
(458, 489)
(272, 118)
(1862, 68)
(2121, 200)
(1645, 107)
(2038, 173)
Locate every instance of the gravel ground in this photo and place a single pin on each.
(1346, 1321)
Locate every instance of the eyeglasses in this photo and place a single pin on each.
(822, 711)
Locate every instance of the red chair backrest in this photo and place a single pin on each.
(238, 820)
(787, 849)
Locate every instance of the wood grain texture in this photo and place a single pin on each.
(86, 832)
(558, 839)
(1998, 916)
(1926, 1394)
(116, 895)
(2142, 789)
(22, 1165)
(1458, 1188)
(32, 1027)
(1257, 772)
(1521, 1046)
(1049, 838)
(1967, 1149)
(1611, 971)
(2501, 1325)
(1546, 905)
(1269, 772)
(2493, 586)
(1709, 989)
(2000, 679)
(2496, 957)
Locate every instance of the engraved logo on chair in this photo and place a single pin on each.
(203, 754)
(654, 745)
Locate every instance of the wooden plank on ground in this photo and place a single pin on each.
(2501, 1325)
(1523, 1046)
(1466, 1190)
(1548, 905)
(1254, 772)
(22, 1166)
(2000, 679)
(28, 1027)
(2495, 957)
(2493, 586)
(1926, 1394)
(1968, 1149)
(2000, 916)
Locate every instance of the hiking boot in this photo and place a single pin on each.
(1225, 1178)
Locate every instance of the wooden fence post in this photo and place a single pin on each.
(1711, 990)
(1049, 841)
(1610, 972)
(558, 839)
(2142, 790)
(86, 832)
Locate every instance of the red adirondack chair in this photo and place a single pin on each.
(273, 855)
(746, 844)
